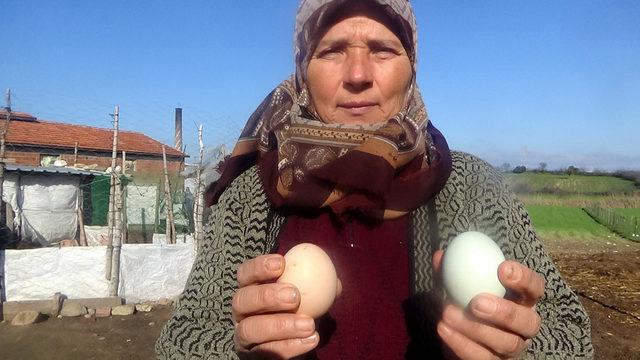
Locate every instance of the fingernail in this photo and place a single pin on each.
(304, 324)
(311, 339)
(444, 330)
(528, 343)
(513, 273)
(485, 306)
(287, 295)
(274, 263)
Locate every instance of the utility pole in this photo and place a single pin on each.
(199, 199)
(112, 188)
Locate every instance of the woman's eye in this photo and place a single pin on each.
(328, 53)
(384, 53)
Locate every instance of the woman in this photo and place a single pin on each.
(343, 155)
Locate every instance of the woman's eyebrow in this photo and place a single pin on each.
(341, 43)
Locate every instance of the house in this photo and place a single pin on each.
(36, 142)
(35, 145)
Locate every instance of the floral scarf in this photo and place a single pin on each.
(383, 170)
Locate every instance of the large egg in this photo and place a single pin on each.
(310, 269)
(470, 267)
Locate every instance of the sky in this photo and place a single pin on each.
(521, 82)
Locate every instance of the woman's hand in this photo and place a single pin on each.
(264, 313)
(493, 327)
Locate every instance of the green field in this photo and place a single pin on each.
(568, 184)
(628, 212)
(564, 219)
(555, 204)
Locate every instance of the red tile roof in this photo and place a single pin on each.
(59, 135)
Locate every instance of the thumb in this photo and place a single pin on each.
(436, 260)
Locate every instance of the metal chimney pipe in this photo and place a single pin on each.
(178, 137)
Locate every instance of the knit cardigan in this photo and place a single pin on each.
(244, 225)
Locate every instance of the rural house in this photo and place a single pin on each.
(35, 142)
(38, 145)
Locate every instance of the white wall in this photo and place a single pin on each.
(148, 272)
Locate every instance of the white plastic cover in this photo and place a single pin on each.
(141, 204)
(45, 205)
(148, 272)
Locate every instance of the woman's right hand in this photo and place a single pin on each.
(264, 313)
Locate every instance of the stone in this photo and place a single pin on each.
(164, 301)
(56, 303)
(26, 318)
(91, 311)
(144, 307)
(123, 310)
(94, 303)
(71, 309)
(102, 312)
(11, 308)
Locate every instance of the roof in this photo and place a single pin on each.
(52, 170)
(27, 130)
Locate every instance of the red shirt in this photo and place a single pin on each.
(372, 261)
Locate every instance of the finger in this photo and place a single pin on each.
(496, 340)
(260, 269)
(258, 299)
(461, 346)
(437, 260)
(505, 314)
(266, 328)
(526, 283)
(338, 288)
(286, 349)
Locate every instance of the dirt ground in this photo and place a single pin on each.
(609, 287)
(605, 273)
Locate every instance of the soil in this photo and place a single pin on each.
(605, 274)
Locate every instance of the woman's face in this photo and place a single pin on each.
(359, 73)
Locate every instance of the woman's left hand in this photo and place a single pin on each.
(493, 327)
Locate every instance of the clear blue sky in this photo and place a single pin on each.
(511, 81)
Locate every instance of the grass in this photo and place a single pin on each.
(628, 212)
(568, 184)
(564, 219)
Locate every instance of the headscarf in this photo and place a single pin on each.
(381, 170)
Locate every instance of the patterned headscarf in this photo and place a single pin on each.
(381, 170)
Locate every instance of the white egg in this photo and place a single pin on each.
(310, 269)
(470, 267)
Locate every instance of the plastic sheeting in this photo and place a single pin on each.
(141, 204)
(45, 205)
(147, 272)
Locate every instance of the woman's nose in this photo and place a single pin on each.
(358, 72)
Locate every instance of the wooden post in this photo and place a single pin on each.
(170, 229)
(199, 199)
(82, 238)
(75, 154)
(117, 239)
(83, 235)
(123, 191)
(111, 214)
(3, 136)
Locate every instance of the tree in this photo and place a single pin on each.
(542, 166)
(572, 170)
(519, 169)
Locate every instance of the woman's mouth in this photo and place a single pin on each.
(357, 108)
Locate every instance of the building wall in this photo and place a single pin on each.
(145, 167)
